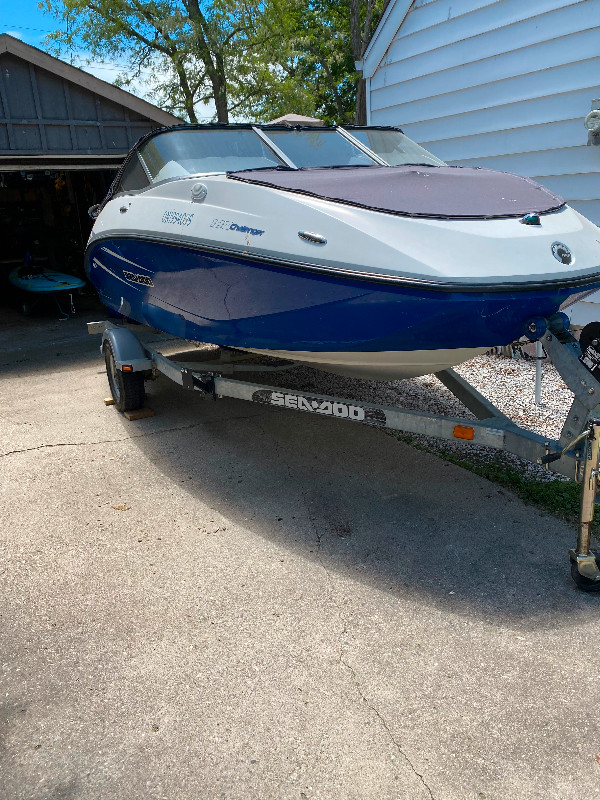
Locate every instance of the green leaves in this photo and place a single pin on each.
(310, 65)
(254, 59)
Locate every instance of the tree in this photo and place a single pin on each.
(253, 58)
(312, 69)
(198, 51)
(364, 17)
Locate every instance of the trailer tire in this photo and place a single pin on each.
(127, 388)
(583, 583)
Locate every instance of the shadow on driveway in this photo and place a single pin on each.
(366, 507)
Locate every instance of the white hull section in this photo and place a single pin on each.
(383, 366)
(358, 240)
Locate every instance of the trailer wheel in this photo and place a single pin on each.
(127, 388)
(583, 583)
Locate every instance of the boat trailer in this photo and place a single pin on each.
(133, 355)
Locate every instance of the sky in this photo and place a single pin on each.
(25, 21)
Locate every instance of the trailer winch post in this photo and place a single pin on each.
(584, 567)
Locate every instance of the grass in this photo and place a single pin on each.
(560, 498)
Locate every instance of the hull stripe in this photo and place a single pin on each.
(242, 303)
(544, 283)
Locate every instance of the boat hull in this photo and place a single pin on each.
(353, 325)
(384, 366)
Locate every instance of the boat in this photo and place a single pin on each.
(351, 249)
(36, 283)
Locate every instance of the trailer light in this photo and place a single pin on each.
(463, 432)
(127, 368)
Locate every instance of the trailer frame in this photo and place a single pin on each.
(133, 354)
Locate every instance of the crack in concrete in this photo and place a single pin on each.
(87, 444)
(319, 537)
(143, 435)
(383, 721)
(344, 663)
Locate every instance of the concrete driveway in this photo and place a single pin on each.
(238, 601)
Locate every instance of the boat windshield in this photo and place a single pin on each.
(318, 148)
(394, 147)
(176, 154)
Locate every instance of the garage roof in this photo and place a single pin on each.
(55, 116)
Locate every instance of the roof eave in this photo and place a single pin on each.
(384, 34)
(8, 44)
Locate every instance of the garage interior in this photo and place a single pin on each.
(43, 216)
(63, 136)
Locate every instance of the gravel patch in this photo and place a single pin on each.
(509, 383)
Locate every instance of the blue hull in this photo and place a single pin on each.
(232, 301)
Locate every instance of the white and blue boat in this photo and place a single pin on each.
(353, 250)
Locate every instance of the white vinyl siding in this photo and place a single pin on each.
(498, 83)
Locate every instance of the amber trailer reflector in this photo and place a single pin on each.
(127, 368)
(462, 432)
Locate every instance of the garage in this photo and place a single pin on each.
(63, 135)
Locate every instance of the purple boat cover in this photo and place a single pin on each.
(415, 191)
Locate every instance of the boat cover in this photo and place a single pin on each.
(415, 190)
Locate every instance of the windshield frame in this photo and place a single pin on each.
(260, 130)
(177, 159)
(392, 129)
(328, 129)
(362, 146)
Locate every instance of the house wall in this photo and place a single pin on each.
(499, 83)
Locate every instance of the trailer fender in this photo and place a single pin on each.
(127, 350)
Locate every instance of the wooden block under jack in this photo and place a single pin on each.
(140, 413)
(109, 401)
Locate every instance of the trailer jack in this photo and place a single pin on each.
(584, 564)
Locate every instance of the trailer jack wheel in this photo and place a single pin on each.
(127, 388)
(583, 570)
